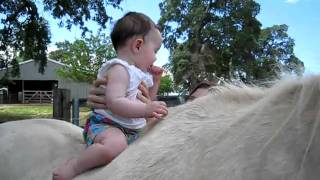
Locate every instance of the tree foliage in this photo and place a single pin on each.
(223, 38)
(276, 54)
(25, 33)
(166, 85)
(83, 57)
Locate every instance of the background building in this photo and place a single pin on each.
(34, 87)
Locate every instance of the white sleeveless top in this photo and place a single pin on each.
(135, 77)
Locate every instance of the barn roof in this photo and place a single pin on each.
(29, 70)
(32, 60)
(50, 60)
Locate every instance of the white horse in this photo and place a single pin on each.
(232, 134)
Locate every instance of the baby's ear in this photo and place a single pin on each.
(137, 43)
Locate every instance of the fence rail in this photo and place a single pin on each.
(29, 96)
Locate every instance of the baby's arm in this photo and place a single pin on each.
(156, 73)
(118, 80)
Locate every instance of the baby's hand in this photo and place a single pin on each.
(157, 109)
(156, 73)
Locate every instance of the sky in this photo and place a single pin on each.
(302, 17)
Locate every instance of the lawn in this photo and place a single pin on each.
(13, 112)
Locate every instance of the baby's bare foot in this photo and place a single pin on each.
(65, 171)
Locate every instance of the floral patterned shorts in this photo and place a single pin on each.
(97, 123)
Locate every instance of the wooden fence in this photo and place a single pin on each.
(62, 105)
(37, 96)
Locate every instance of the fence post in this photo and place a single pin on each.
(75, 111)
(40, 96)
(66, 103)
(57, 104)
(61, 104)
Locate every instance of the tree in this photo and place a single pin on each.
(24, 33)
(166, 85)
(83, 57)
(221, 38)
(276, 54)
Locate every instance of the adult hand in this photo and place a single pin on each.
(143, 95)
(96, 97)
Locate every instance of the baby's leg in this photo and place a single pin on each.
(107, 145)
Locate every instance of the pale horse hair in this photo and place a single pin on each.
(234, 133)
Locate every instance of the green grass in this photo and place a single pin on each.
(22, 111)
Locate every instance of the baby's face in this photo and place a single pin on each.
(151, 44)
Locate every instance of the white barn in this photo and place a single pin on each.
(32, 86)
